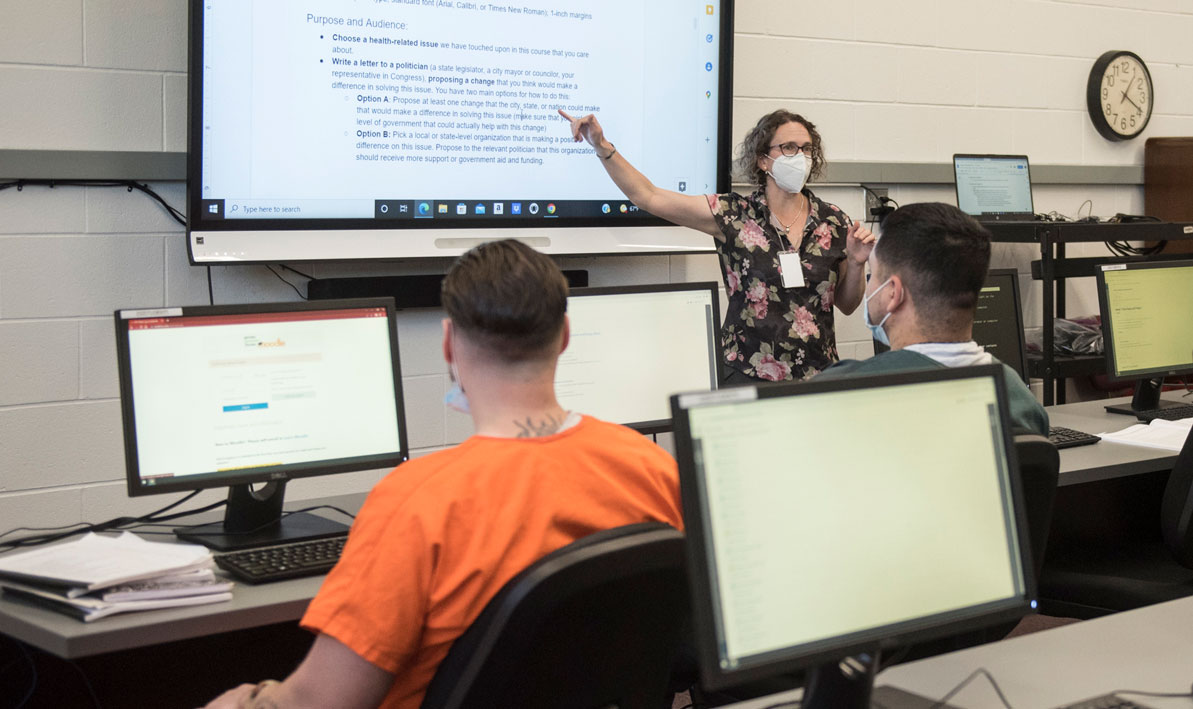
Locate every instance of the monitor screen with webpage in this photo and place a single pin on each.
(632, 347)
(807, 550)
(993, 186)
(216, 396)
(388, 129)
(1146, 325)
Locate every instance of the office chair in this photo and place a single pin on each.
(594, 625)
(1092, 578)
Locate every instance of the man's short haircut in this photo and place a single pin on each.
(941, 253)
(507, 298)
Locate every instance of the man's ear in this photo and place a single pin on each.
(567, 334)
(448, 355)
(898, 296)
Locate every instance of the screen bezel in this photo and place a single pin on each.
(664, 425)
(137, 487)
(445, 237)
(810, 655)
(1112, 371)
(996, 215)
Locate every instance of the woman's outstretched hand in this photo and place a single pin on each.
(586, 128)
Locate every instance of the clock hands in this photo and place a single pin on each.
(1128, 98)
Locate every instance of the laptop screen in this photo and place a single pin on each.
(993, 184)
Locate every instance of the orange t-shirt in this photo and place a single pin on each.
(440, 535)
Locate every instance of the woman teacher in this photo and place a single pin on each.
(786, 256)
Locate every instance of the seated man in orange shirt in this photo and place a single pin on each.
(440, 535)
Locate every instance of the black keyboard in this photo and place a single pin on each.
(285, 561)
(1172, 413)
(1106, 701)
(1062, 437)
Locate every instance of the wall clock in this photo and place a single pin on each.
(1119, 95)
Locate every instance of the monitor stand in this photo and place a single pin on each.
(849, 684)
(1147, 398)
(254, 518)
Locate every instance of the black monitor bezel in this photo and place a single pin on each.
(785, 663)
(1109, 350)
(665, 425)
(1013, 274)
(137, 487)
(195, 64)
(996, 215)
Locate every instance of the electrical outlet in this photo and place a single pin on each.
(873, 202)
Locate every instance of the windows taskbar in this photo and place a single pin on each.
(402, 209)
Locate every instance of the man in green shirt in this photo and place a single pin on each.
(925, 275)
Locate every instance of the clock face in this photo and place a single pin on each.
(1123, 94)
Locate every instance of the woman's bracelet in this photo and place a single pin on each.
(611, 152)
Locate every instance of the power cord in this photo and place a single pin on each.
(283, 280)
(115, 524)
(130, 185)
(877, 214)
(979, 671)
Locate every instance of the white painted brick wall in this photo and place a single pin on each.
(910, 81)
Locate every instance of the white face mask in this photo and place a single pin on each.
(790, 172)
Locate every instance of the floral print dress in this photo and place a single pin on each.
(771, 332)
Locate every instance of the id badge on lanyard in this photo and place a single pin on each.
(792, 268)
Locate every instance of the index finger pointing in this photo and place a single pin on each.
(565, 115)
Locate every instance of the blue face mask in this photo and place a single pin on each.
(876, 330)
(455, 398)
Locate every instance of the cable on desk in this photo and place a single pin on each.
(254, 530)
(1142, 693)
(979, 671)
(114, 524)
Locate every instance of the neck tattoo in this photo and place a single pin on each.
(532, 429)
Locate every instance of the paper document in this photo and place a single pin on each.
(88, 609)
(94, 561)
(1169, 435)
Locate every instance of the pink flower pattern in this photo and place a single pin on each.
(771, 332)
(732, 281)
(772, 369)
(804, 326)
(752, 236)
(824, 236)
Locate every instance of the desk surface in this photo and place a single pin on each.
(1103, 460)
(250, 607)
(1149, 649)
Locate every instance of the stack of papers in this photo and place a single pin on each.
(97, 576)
(1169, 435)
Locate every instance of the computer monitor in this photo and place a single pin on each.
(237, 395)
(998, 320)
(872, 528)
(632, 347)
(994, 187)
(1147, 326)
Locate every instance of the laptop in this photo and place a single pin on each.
(994, 188)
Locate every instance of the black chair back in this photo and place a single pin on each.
(593, 625)
(1176, 507)
(1039, 468)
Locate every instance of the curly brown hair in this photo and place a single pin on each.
(757, 144)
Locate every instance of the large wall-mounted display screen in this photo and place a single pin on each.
(354, 129)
